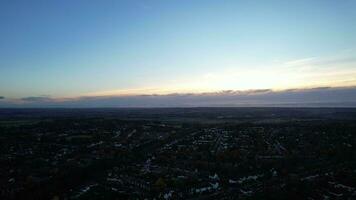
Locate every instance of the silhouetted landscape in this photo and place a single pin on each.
(178, 153)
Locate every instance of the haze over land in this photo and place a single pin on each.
(315, 97)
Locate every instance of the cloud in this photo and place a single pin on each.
(299, 62)
(321, 88)
(340, 59)
(320, 97)
(36, 99)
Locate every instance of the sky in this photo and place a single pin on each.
(63, 51)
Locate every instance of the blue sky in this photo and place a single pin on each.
(63, 49)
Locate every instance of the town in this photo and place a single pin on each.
(108, 156)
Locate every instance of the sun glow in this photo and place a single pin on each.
(332, 71)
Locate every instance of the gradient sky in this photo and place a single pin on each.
(79, 48)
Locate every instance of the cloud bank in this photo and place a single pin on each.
(36, 99)
(314, 97)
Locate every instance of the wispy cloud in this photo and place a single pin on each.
(298, 62)
(343, 58)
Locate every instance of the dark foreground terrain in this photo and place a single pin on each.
(178, 153)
